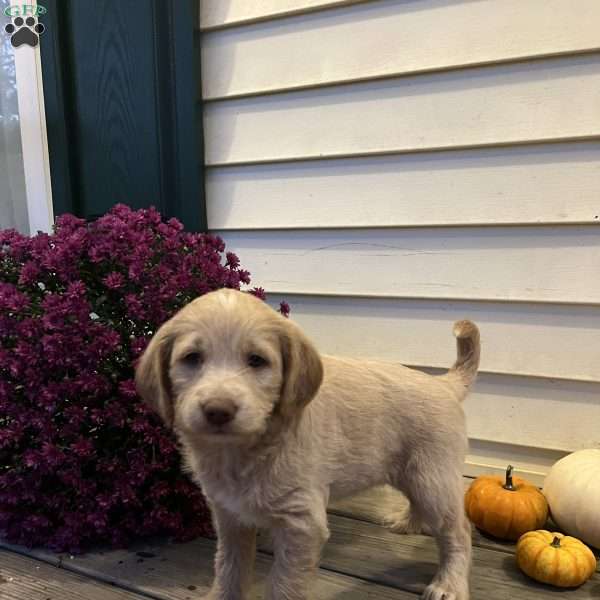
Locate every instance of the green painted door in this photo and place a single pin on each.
(120, 83)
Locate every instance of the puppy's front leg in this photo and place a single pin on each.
(234, 562)
(298, 540)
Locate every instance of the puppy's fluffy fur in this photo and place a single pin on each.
(302, 429)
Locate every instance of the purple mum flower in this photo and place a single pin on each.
(284, 309)
(114, 281)
(84, 460)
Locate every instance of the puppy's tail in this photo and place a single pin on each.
(465, 368)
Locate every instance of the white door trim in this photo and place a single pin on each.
(34, 141)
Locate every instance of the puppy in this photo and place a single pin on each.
(272, 431)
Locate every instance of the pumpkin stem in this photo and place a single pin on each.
(555, 542)
(509, 480)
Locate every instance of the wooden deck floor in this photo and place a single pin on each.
(361, 561)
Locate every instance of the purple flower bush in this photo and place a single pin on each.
(82, 460)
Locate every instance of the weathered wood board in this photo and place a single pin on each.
(23, 578)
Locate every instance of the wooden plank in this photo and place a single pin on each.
(390, 39)
(536, 264)
(519, 339)
(167, 571)
(23, 578)
(547, 100)
(544, 184)
(215, 14)
(409, 562)
(375, 504)
(400, 566)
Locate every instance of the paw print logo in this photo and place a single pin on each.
(24, 31)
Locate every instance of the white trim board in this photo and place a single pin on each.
(490, 458)
(32, 119)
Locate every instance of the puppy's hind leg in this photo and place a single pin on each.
(435, 491)
(452, 579)
(406, 521)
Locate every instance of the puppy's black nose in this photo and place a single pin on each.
(219, 412)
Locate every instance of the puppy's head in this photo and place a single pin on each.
(227, 366)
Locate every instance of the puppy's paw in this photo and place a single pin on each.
(437, 592)
(405, 521)
(447, 590)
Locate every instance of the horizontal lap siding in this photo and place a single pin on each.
(546, 264)
(521, 339)
(440, 196)
(510, 410)
(486, 106)
(383, 39)
(558, 183)
(526, 348)
(225, 13)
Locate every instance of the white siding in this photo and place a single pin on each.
(382, 39)
(389, 167)
(224, 13)
(554, 183)
(537, 340)
(544, 264)
(476, 107)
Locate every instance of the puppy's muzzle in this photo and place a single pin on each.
(219, 412)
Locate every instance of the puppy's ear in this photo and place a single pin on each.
(302, 370)
(152, 374)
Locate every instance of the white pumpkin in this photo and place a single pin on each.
(572, 489)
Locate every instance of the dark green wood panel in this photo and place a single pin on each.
(113, 84)
(119, 83)
(55, 66)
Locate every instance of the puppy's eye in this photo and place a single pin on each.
(256, 362)
(192, 359)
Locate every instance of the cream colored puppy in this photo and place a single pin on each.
(271, 431)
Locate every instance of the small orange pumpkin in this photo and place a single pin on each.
(554, 558)
(505, 508)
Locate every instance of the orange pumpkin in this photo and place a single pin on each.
(505, 507)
